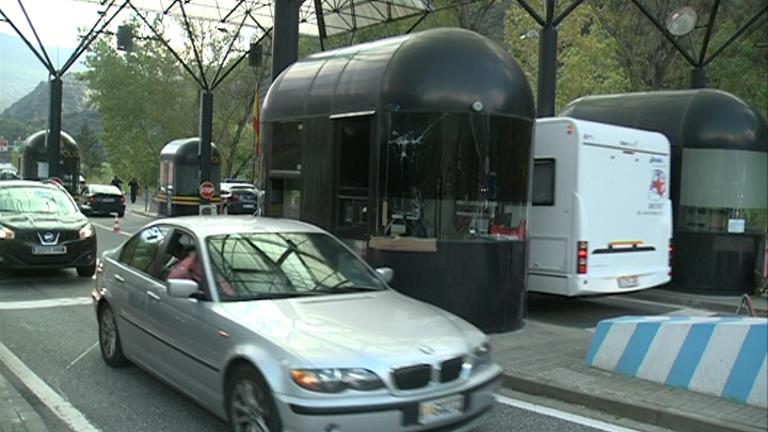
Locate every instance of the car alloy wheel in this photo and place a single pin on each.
(249, 411)
(109, 339)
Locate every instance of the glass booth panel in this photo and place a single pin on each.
(285, 197)
(455, 176)
(724, 191)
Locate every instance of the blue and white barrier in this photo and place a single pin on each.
(723, 356)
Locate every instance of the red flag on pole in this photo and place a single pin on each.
(256, 131)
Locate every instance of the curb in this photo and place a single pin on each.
(143, 213)
(643, 413)
(694, 303)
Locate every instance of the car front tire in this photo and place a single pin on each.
(249, 402)
(109, 338)
(86, 271)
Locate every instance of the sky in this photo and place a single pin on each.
(56, 21)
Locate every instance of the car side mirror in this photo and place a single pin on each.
(182, 288)
(386, 273)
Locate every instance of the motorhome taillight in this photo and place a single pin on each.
(671, 254)
(581, 258)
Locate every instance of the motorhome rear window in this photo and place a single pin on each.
(543, 182)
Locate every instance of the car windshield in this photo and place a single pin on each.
(35, 199)
(253, 266)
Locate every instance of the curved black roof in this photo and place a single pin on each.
(438, 70)
(36, 142)
(187, 150)
(702, 118)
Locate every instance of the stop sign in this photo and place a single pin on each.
(207, 189)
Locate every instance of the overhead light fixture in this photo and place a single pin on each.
(681, 21)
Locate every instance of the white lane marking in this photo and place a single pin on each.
(48, 303)
(81, 355)
(107, 228)
(135, 213)
(57, 404)
(551, 412)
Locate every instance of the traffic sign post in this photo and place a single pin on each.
(207, 190)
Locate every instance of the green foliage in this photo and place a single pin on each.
(92, 154)
(145, 100)
(586, 64)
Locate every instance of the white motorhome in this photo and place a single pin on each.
(601, 220)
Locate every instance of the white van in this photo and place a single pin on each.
(601, 220)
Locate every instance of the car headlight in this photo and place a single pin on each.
(86, 232)
(481, 355)
(6, 234)
(336, 380)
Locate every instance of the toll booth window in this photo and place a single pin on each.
(709, 204)
(543, 182)
(285, 198)
(286, 146)
(456, 176)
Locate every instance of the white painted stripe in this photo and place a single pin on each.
(562, 415)
(48, 303)
(613, 345)
(663, 351)
(82, 355)
(109, 228)
(58, 405)
(718, 358)
(759, 393)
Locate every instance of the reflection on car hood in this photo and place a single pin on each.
(42, 221)
(356, 329)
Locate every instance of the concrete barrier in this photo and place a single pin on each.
(722, 356)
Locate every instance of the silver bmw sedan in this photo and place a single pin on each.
(275, 325)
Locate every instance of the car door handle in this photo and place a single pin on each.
(119, 278)
(153, 296)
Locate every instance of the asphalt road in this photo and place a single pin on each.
(46, 321)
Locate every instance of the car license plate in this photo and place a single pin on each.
(439, 409)
(49, 250)
(107, 200)
(248, 206)
(628, 282)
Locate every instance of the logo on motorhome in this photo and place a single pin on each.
(658, 185)
(656, 160)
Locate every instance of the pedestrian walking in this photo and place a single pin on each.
(116, 182)
(134, 187)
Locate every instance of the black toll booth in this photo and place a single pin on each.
(415, 150)
(34, 161)
(179, 177)
(719, 187)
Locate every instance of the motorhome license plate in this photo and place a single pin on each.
(628, 282)
(439, 409)
(49, 250)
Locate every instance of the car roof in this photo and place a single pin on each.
(28, 183)
(205, 226)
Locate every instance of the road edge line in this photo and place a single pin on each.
(52, 400)
(636, 411)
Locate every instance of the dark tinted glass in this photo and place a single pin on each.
(543, 182)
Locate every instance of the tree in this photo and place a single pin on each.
(92, 153)
(586, 64)
(145, 100)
